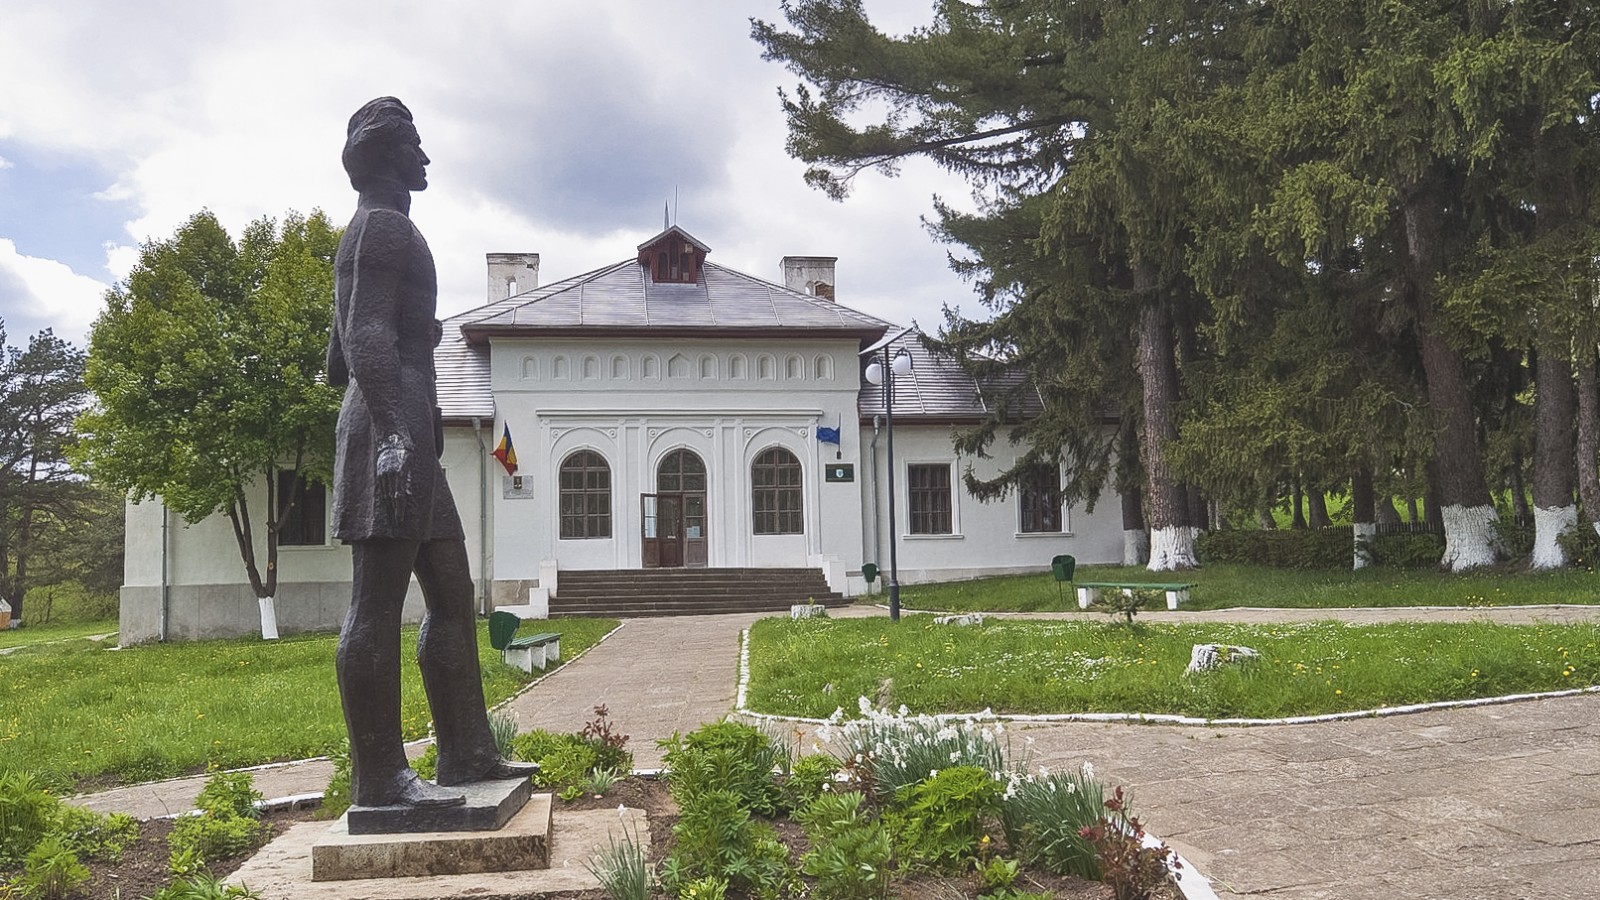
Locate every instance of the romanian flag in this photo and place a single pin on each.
(506, 453)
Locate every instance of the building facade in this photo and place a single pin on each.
(664, 411)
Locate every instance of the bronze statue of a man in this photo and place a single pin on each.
(390, 500)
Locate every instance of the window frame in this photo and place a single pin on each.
(1033, 501)
(777, 492)
(306, 523)
(921, 518)
(592, 519)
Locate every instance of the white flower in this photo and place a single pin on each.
(622, 810)
(864, 704)
(1088, 769)
(933, 773)
(1044, 771)
(955, 755)
(903, 711)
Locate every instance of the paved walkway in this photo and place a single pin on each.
(1471, 804)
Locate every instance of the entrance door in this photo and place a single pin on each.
(661, 528)
(682, 474)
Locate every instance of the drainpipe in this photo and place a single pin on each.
(876, 421)
(166, 592)
(483, 517)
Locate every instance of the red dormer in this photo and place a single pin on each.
(673, 257)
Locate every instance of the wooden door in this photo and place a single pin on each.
(661, 530)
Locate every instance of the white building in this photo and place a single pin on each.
(665, 413)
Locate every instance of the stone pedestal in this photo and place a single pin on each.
(490, 804)
(522, 843)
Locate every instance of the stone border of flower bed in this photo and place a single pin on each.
(1192, 884)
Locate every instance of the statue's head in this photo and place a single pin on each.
(382, 145)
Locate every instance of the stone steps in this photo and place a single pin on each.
(688, 592)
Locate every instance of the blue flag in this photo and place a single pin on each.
(827, 435)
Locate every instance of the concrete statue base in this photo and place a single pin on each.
(522, 843)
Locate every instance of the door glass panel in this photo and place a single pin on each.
(649, 516)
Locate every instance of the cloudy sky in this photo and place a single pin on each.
(560, 127)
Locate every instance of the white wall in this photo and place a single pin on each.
(987, 538)
(633, 402)
(208, 592)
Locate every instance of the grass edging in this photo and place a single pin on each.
(292, 799)
(1166, 718)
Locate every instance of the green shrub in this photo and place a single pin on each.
(206, 838)
(1421, 550)
(939, 822)
(427, 765)
(717, 838)
(226, 824)
(1582, 544)
(1515, 539)
(1044, 815)
(621, 869)
(725, 756)
(336, 799)
(27, 812)
(1291, 548)
(808, 777)
(204, 886)
(230, 794)
(609, 743)
(850, 851)
(884, 752)
(51, 871)
(503, 727)
(97, 835)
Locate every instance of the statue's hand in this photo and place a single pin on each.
(394, 452)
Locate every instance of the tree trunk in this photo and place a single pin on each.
(1317, 508)
(1465, 507)
(1386, 513)
(1130, 488)
(1364, 509)
(1199, 510)
(1411, 510)
(1589, 436)
(1171, 533)
(1299, 505)
(1135, 539)
(1518, 490)
(1555, 473)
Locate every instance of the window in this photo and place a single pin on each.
(930, 498)
(775, 498)
(1039, 494)
(585, 496)
(306, 522)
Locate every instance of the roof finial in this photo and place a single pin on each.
(666, 219)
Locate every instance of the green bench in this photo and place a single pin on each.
(535, 651)
(1089, 591)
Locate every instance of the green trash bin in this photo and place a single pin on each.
(502, 628)
(1062, 568)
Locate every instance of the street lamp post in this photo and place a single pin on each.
(884, 373)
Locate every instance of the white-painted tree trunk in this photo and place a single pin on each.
(1548, 524)
(1365, 533)
(1135, 546)
(1469, 540)
(269, 619)
(1173, 548)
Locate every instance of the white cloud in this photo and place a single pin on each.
(42, 293)
(558, 127)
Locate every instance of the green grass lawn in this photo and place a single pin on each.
(811, 666)
(1224, 586)
(43, 634)
(75, 710)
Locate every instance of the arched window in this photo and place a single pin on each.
(681, 471)
(775, 492)
(585, 496)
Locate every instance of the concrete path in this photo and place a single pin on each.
(1489, 802)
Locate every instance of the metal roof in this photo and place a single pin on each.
(622, 297)
(620, 300)
(939, 389)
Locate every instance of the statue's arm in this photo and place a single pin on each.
(371, 330)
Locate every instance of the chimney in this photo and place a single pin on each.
(810, 275)
(511, 274)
